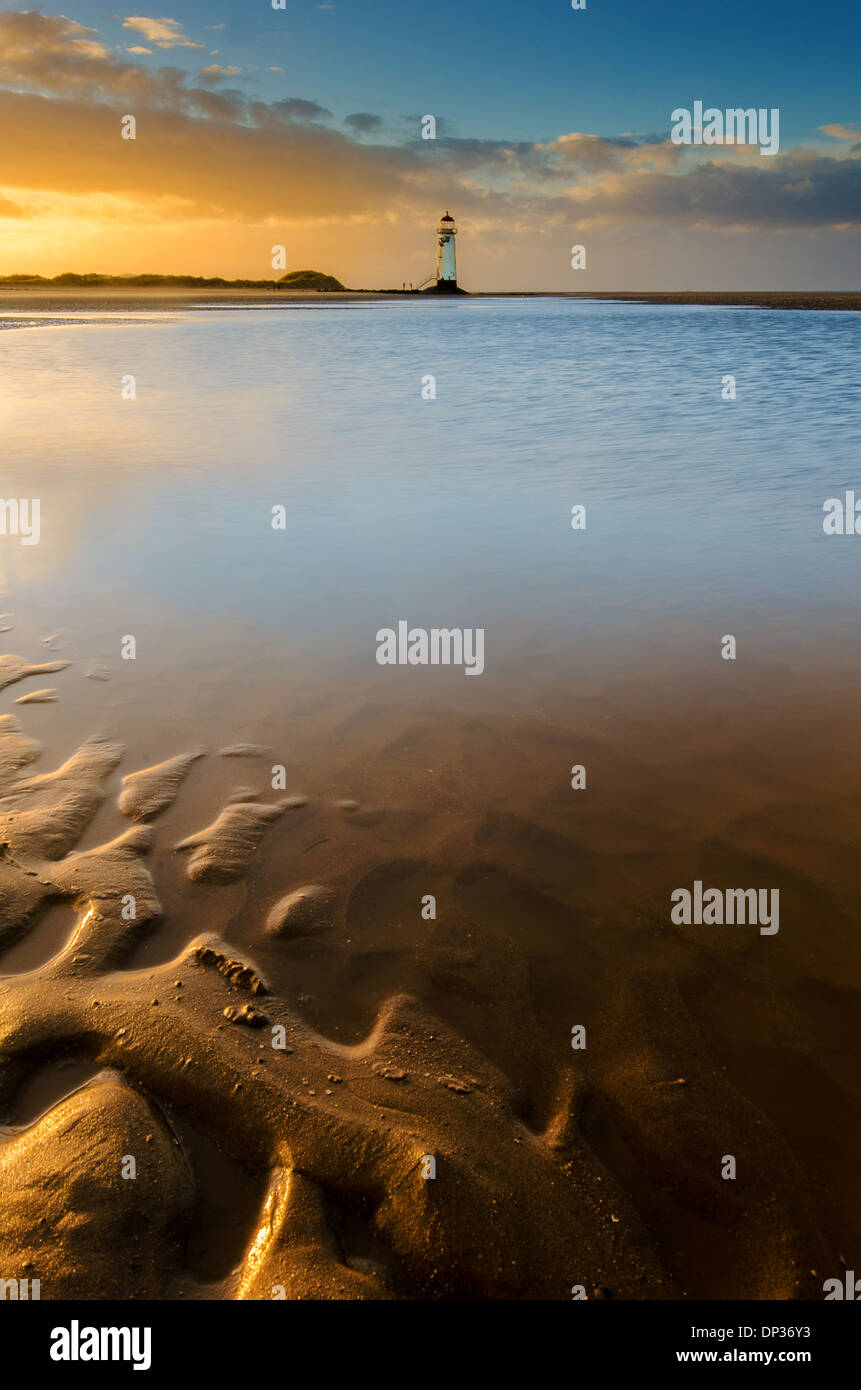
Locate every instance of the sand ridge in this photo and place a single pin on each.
(38, 697)
(461, 1187)
(304, 912)
(224, 850)
(14, 668)
(151, 790)
(351, 1125)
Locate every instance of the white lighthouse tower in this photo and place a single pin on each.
(446, 270)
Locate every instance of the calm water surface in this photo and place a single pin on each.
(456, 511)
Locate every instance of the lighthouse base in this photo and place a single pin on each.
(445, 287)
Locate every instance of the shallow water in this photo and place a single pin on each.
(704, 518)
(453, 510)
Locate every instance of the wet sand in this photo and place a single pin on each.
(114, 299)
(408, 1038)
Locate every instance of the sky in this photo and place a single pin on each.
(302, 127)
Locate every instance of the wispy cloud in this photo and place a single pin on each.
(295, 109)
(164, 33)
(215, 72)
(841, 132)
(363, 122)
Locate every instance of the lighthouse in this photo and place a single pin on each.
(445, 280)
(446, 270)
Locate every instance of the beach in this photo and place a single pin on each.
(468, 946)
(113, 297)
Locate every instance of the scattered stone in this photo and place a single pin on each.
(253, 1018)
(454, 1085)
(236, 971)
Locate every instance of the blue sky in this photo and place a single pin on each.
(529, 71)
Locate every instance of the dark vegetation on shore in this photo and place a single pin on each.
(294, 280)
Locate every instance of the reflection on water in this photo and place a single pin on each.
(456, 510)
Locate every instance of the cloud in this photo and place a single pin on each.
(10, 209)
(841, 132)
(205, 154)
(589, 152)
(138, 49)
(363, 122)
(256, 172)
(798, 189)
(49, 53)
(164, 33)
(295, 109)
(215, 72)
(32, 43)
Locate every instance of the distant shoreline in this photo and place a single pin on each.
(99, 296)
